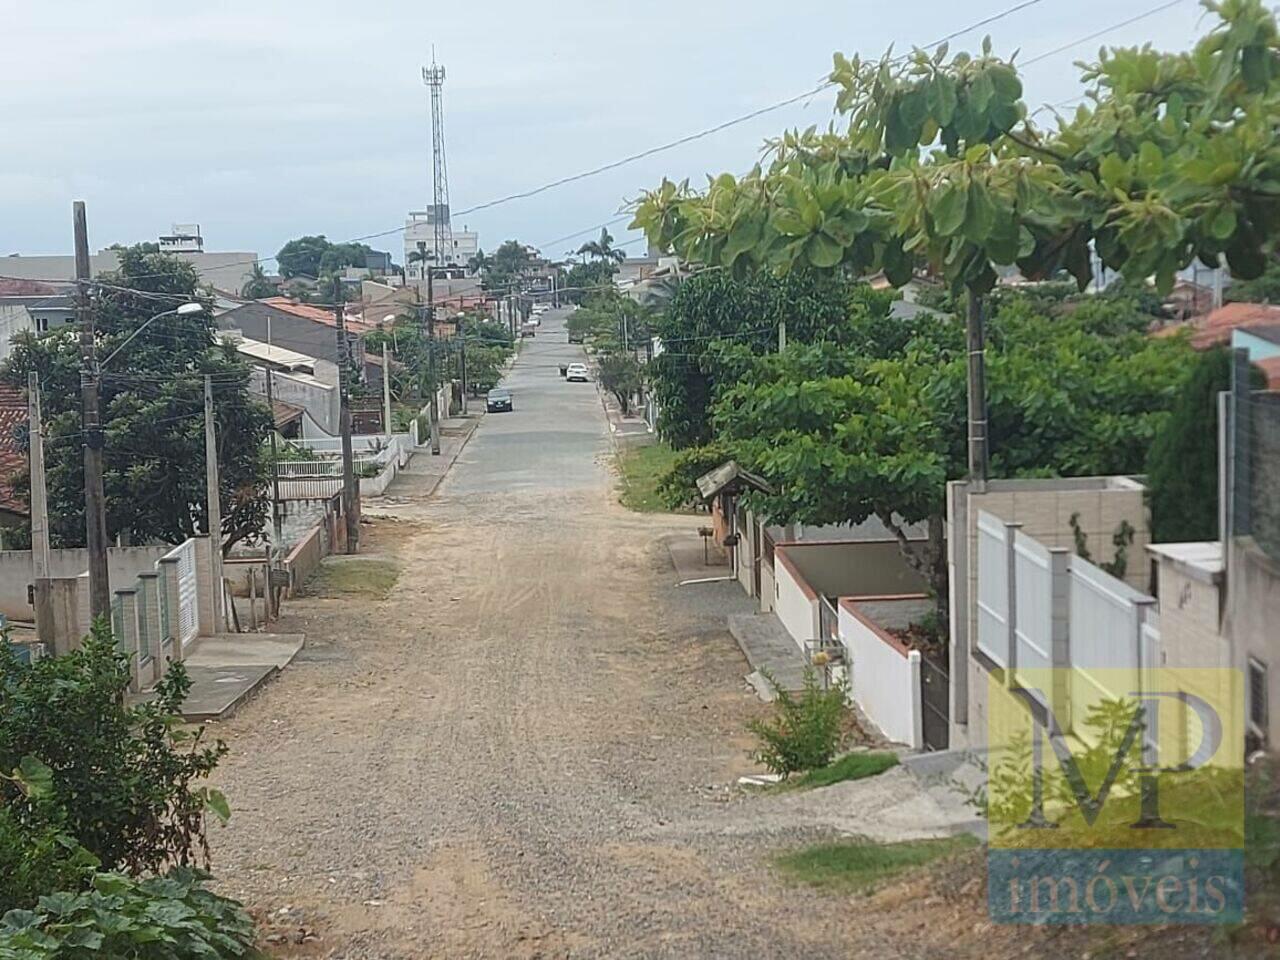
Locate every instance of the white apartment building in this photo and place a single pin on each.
(419, 227)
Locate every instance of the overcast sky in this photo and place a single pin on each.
(263, 120)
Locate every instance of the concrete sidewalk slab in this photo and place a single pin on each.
(769, 649)
(697, 559)
(227, 669)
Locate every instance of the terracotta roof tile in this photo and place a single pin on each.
(1216, 327)
(1271, 367)
(319, 314)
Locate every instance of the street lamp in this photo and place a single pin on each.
(185, 310)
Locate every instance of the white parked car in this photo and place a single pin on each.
(577, 371)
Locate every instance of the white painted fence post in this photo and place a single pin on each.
(917, 701)
(1060, 635)
(1011, 601)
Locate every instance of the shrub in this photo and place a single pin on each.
(678, 487)
(122, 781)
(806, 730)
(35, 860)
(161, 918)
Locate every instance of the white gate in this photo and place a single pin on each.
(188, 616)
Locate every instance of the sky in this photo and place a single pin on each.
(266, 120)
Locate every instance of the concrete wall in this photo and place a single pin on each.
(1044, 508)
(317, 395)
(225, 271)
(1252, 616)
(884, 676)
(16, 573)
(795, 602)
(1190, 618)
(12, 320)
(1259, 349)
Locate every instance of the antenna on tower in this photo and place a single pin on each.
(442, 231)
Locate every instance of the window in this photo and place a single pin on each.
(1258, 708)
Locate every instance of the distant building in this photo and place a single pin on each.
(42, 308)
(419, 227)
(184, 239)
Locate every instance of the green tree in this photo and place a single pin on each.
(603, 249)
(1262, 289)
(258, 287)
(620, 374)
(715, 321)
(846, 433)
(584, 279)
(1182, 465)
(1172, 156)
(152, 403)
(301, 257)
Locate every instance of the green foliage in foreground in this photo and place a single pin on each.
(860, 865)
(121, 918)
(122, 782)
(806, 729)
(855, 766)
(678, 487)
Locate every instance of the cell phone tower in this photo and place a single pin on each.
(442, 232)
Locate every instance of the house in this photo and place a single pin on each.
(419, 227)
(13, 455)
(299, 382)
(304, 328)
(43, 307)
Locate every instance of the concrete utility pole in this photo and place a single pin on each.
(95, 500)
(431, 363)
(213, 494)
(349, 494)
(39, 514)
(277, 531)
(978, 451)
(386, 391)
(782, 335)
(462, 359)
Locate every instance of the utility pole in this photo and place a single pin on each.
(39, 515)
(782, 335)
(431, 363)
(95, 500)
(386, 391)
(462, 358)
(277, 532)
(349, 496)
(215, 504)
(975, 337)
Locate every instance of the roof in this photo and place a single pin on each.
(30, 288)
(269, 353)
(1215, 327)
(307, 311)
(1271, 367)
(729, 477)
(13, 456)
(285, 413)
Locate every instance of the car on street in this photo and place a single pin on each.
(498, 399)
(577, 371)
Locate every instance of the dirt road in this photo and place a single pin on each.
(524, 749)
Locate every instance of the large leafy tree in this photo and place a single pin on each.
(715, 321)
(875, 428)
(1172, 156)
(152, 402)
(258, 287)
(315, 256)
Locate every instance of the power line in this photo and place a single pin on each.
(1099, 33)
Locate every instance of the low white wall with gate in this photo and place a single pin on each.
(884, 676)
(795, 603)
(17, 572)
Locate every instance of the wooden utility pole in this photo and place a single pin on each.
(349, 494)
(95, 500)
(214, 497)
(277, 523)
(39, 514)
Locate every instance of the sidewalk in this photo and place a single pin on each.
(624, 431)
(419, 479)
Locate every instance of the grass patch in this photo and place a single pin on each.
(354, 577)
(641, 469)
(858, 866)
(855, 766)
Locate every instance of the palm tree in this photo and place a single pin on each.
(603, 249)
(258, 286)
(480, 263)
